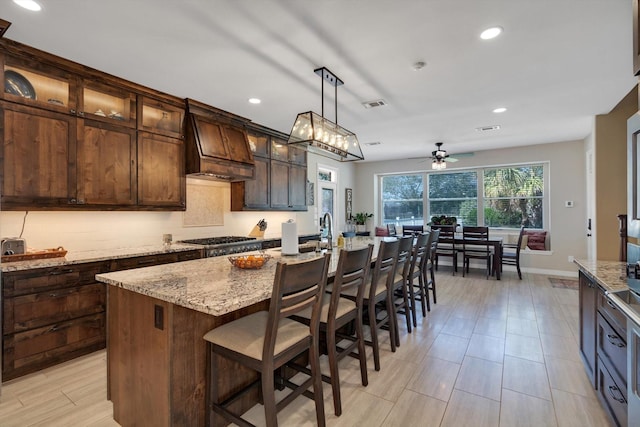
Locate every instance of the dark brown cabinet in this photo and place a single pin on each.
(88, 136)
(42, 141)
(51, 315)
(160, 162)
(106, 159)
(281, 175)
(588, 295)
(54, 314)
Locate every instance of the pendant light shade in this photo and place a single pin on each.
(323, 136)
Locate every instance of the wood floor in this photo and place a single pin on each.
(490, 353)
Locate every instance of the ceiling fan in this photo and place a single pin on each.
(439, 157)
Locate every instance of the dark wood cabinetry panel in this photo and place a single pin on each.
(238, 146)
(106, 157)
(588, 295)
(285, 169)
(38, 157)
(279, 185)
(160, 163)
(298, 187)
(253, 194)
(50, 315)
(74, 145)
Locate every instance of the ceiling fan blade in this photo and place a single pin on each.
(451, 159)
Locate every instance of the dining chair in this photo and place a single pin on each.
(415, 277)
(412, 230)
(266, 340)
(446, 245)
(337, 312)
(511, 256)
(399, 291)
(428, 270)
(391, 229)
(475, 245)
(377, 301)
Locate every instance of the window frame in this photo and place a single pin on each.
(546, 197)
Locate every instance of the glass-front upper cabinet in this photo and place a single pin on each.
(160, 117)
(279, 149)
(297, 154)
(44, 86)
(106, 103)
(258, 143)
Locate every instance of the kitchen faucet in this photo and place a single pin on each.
(327, 224)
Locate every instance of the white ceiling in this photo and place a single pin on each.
(557, 64)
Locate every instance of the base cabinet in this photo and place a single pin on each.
(51, 315)
(588, 294)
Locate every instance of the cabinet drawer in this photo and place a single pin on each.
(615, 318)
(143, 261)
(613, 348)
(47, 279)
(189, 255)
(612, 396)
(35, 310)
(32, 350)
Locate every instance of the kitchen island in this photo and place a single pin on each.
(156, 318)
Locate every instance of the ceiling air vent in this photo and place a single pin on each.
(375, 103)
(373, 143)
(487, 128)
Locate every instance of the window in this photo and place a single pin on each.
(402, 199)
(499, 197)
(327, 192)
(513, 196)
(454, 194)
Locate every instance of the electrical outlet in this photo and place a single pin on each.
(571, 258)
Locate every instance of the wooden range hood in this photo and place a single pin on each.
(217, 147)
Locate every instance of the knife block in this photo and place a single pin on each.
(256, 232)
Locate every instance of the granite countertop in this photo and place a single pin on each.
(212, 285)
(79, 257)
(610, 275)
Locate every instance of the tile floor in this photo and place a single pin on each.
(490, 353)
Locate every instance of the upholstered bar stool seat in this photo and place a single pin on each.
(266, 341)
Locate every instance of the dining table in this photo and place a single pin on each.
(494, 242)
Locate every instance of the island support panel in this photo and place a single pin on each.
(157, 361)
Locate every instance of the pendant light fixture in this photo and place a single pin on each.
(322, 136)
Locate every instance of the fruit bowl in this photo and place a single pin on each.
(254, 261)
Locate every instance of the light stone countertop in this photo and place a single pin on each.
(610, 275)
(212, 285)
(79, 257)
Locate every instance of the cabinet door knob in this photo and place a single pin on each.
(81, 113)
(72, 111)
(72, 201)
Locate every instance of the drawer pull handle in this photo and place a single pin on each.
(615, 340)
(147, 261)
(611, 304)
(613, 389)
(57, 273)
(53, 328)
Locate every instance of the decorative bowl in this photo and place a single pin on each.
(254, 261)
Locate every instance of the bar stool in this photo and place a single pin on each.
(376, 293)
(415, 278)
(429, 268)
(399, 290)
(351, 274)
(265, 341)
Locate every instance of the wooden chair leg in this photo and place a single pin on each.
(314, 354)
(333, 369)
(362, 355)
(414, 309)
(407, 308)
(373, 326)
(391, 322)
(269, 397)
(433, 286)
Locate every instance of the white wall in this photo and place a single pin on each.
(567, 182)
(77, 231)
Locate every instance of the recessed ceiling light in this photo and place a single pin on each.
(499, 110)
(254, 101)
(419, 65)
(28, 4)
(491, 33)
